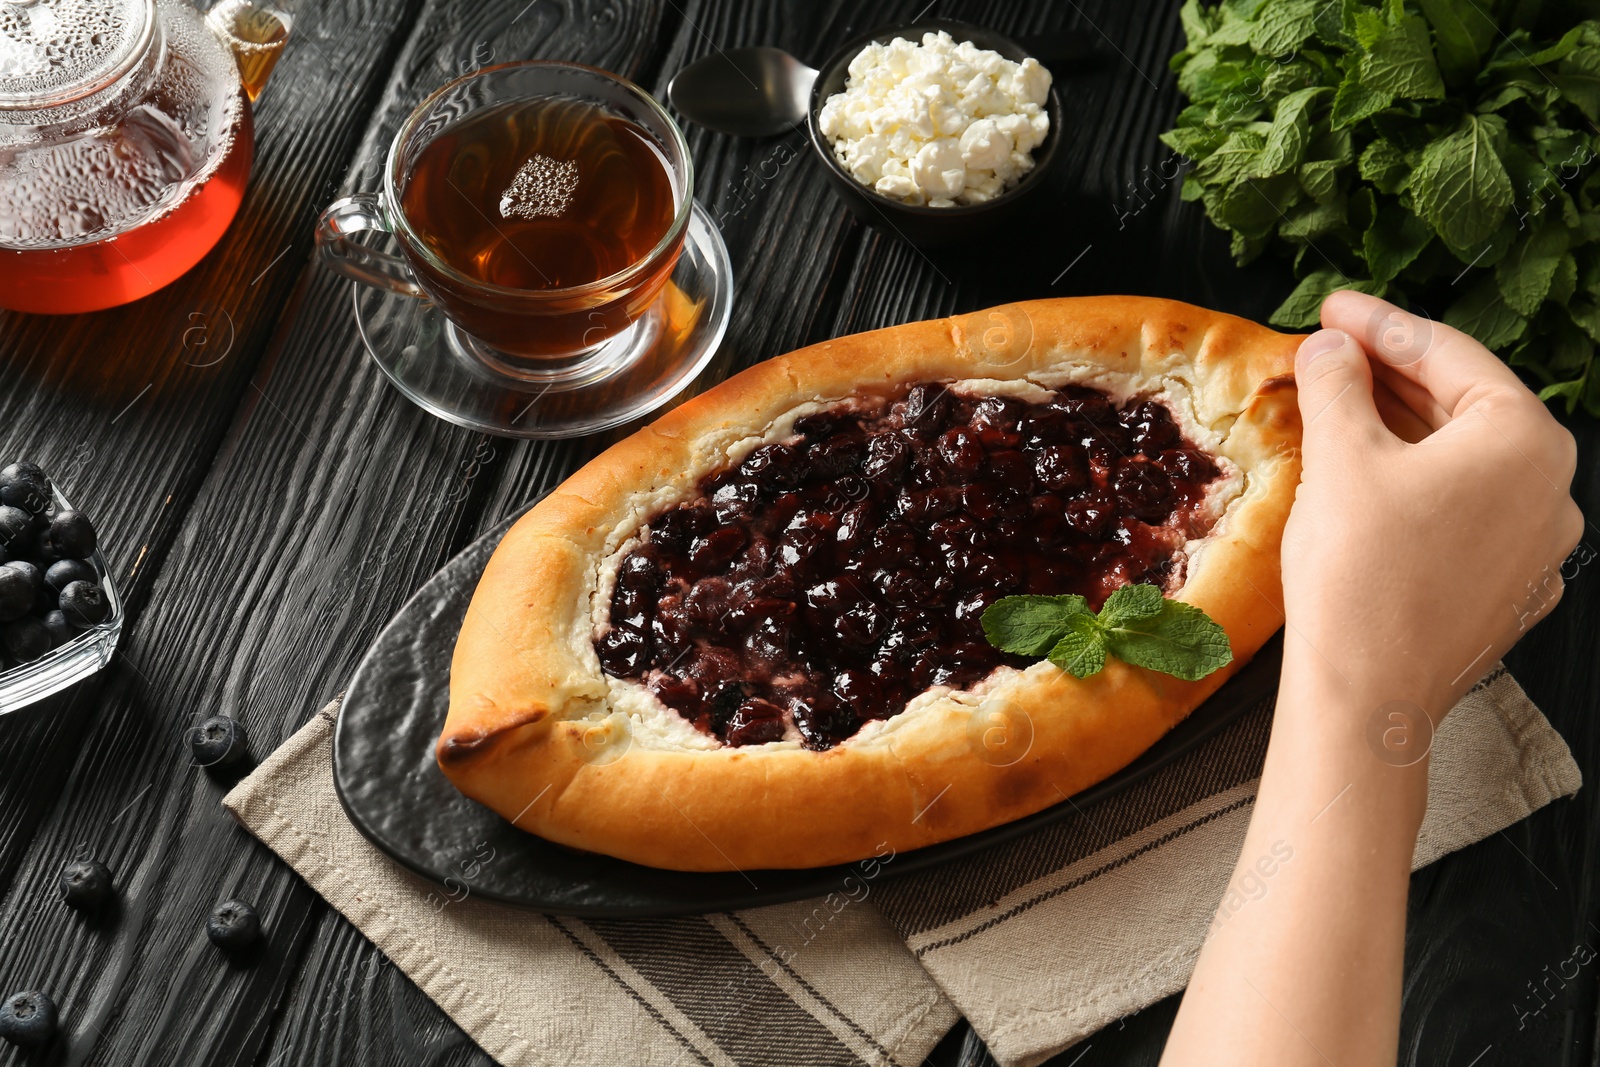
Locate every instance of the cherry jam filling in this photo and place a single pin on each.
(828, 579)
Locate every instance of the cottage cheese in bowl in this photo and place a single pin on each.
(937, 123)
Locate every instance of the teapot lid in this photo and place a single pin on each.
(55, 51)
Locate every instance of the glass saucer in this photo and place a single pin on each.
(70, 662)
(447, 372)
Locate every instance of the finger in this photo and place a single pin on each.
(1334, 381)
(1417, 400)
(1397, 415)
(1454, 369)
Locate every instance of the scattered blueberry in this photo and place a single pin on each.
(84, 603)
(63, 572)
(220, 741)
(26, 639)
(70, 536)
(233, 926)
(86, 884)
(25, 486)
(61, 631)
(27, 1019)
(16, 593)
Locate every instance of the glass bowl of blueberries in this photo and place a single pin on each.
(60, 616)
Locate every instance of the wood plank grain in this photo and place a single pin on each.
(126, 408)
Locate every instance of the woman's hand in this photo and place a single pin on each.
(1409, 568)
(1427, 534)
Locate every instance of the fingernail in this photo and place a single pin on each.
(1321, 343)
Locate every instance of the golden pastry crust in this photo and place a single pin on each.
(540, 734)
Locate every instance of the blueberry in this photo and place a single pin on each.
(86, 884)
(71, 535)
(61, 631)
(16, 530)
(84, 603)
(16, 593)
(25, 486)
(233, 925)
(220, 741)
(29, 568)
(27, 1019)
(63, 572)
(26, 639)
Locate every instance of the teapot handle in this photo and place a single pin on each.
(336, 230)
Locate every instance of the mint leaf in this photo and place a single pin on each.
(1136, 624)
(1483, 313)
(1400, 62)
(1394, 241)
(1454, 45)
(1283, 26)
(1197, 22)
(1560, 50)
(1355, 101)
(1031, 625)
(1291, 130)
(1310, 221)
(1586, 314)
(1082, 649)
(1525, 272)
(1578, 78)
(1384, 166)
(1131, 602)
(1235, 159)
(1253, 206)
(1460, 186)
(1320, 179)
(1568, 391)
(1303, 307)
(1180, 640)
(1193, 142)
(1565, 280)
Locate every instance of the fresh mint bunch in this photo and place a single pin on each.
(1136, 624)
(1437, 153)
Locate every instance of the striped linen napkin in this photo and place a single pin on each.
(1039, 942)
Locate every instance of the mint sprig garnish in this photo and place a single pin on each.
(1136, 624)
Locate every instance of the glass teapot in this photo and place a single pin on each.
(125, 141)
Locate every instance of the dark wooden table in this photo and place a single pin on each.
(268, 501)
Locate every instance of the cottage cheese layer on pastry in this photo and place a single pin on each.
(749, 635)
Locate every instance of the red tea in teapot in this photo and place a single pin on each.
(42, 272)
(124, 146)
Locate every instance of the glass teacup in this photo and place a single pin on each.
(484, 192)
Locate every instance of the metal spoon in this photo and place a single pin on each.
(748, 92)
(758, 92)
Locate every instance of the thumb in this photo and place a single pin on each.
(1334, 381)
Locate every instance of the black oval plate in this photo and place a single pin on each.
(394, 793)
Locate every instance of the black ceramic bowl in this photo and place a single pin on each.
(928, 227)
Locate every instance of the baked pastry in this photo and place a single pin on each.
(748, 636)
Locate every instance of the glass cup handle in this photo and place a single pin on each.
(336, 230)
